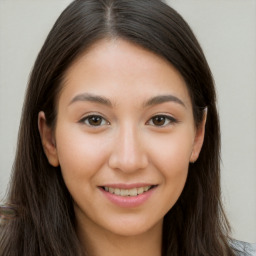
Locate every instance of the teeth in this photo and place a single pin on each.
(140, 191)
(127, 192)
(117, 191)
(133, 192)
(124, 192)
(146, 188)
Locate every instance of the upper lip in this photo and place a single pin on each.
(127, 186)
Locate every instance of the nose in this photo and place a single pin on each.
(128, 152)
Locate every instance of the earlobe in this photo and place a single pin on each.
(199, 139)
(48, 140)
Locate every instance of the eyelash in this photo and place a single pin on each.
(85, 120)
(168, 120)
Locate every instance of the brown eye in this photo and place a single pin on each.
(94, 120)
(158, 120)
(161, 120)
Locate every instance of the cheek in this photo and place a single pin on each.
(80, 155)
(172, 152)
(171, 158)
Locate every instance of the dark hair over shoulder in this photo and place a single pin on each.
(44, 224)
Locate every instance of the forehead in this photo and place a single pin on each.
(119, 69)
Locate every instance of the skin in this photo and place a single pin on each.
(126, 145)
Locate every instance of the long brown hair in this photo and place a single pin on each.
(44, 225)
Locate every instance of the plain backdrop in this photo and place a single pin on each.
(227, 32)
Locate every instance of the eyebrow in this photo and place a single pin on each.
(91, 98)
(104, 101)
(162, 99)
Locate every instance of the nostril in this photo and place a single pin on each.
(128, 164)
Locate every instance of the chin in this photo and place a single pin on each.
(134, 228)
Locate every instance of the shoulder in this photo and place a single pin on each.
(243, 248)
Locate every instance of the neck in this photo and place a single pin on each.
(98, 242)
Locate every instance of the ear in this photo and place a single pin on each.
(199, 139)
(48, 140)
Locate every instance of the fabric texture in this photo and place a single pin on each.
(243, 248)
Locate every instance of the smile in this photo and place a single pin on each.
(128, 195)
(127, 192)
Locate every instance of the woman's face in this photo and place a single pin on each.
(124, 137)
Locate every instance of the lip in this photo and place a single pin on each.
(128, 201)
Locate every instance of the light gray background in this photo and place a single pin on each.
(227, 32)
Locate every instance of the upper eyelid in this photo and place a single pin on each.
(168, 116)
(172, 119)
(89, 114)
(82, 120)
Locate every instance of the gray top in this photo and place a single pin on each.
(244, 249)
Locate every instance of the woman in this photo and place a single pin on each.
(118, 149)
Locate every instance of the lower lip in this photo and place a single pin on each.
(128, 201)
